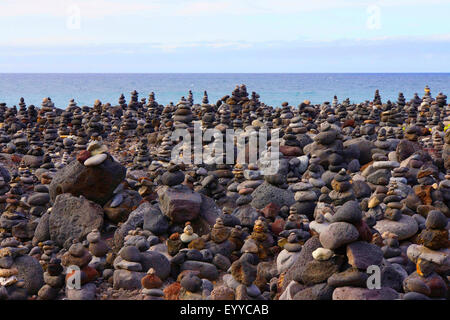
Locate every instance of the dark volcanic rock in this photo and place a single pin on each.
(95, 183)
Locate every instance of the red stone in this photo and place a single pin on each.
(271, 210)
(83, 156)
(437, 286)
(172, 291)
(349, 123)
(278, 226)
(245, 191)
(151, 281)
(364, 231)
(91, 273)
(291, 151)
(16, 158)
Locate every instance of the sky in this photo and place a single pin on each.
(248, 36)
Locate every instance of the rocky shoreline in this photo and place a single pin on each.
(95, 207)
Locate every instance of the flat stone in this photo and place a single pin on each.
(95, 160)
(404, 228)
(361, 254)
(350, 277)
(441, 257)
(354, 293)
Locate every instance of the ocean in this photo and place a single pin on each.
(273, 89)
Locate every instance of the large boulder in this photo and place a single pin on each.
(209, 211)
(96, 183)
(180, 204)
(73, 218)
(246, 214)
(320, 291)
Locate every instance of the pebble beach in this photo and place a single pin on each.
(94, 205)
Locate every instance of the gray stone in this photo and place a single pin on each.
(181, 204)
(221, 262)
(207, 270)
(87, 292)
(349, 212)
(30, 270)
(361, 254)
(267, 193)
(338, 234)
(436, 220)
(404, 228)
(42, 232)
(130, 253)
(38, 199)
(128, 280)
(286, 259)
(73, 218)
(295, 271)
(320, 291)
(135, 219)
(353, 293)
(157, 261)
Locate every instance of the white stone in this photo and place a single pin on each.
(441, 257)
(322, 254)
(95, 160)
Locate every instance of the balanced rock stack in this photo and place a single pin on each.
(98, 249)
(183, 114)
(431, 259)
(142, 159)
(151, 286)
(54, 280)
(79, 256)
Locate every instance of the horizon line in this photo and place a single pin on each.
(320, 72)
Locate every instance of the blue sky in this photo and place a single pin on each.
(224, 36)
